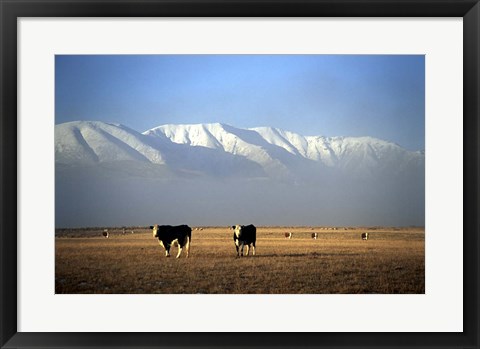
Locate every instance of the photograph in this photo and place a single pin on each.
(239, 174)
(164, 162)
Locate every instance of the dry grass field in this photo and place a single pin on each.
(391, 261)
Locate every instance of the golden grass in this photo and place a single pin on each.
(391, 261)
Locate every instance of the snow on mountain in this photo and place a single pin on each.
(239, 142)
(361, 155)
(89, 142)
(291, 142)
(223, 150)
(281, 152)
(81, 143)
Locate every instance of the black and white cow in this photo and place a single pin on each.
(314, 236)
(168, 236)
(364, 236)
(288, 235)
(244, 235)
(105, 233)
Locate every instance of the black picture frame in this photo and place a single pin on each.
(10, 10)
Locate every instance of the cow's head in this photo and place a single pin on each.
(237, 229)
(155, 230)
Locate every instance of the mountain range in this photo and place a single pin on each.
(219, 149)
(97, 161)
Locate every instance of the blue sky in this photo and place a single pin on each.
(382, 96)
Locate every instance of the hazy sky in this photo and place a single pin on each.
(381, 96)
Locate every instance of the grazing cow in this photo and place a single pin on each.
(180, 235)
(244, 235)
(364, 236)
(105, 233)
(288, 235)
(314, 236)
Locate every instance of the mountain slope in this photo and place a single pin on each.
(89, 142)
(241, 143)
(283, 153)
(223, 150)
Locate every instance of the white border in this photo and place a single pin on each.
(440, 309)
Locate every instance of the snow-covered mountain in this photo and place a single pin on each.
(89, 142)
(219, 174)
(277, 150)
(225, 150)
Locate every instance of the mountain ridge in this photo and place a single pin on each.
(281, 154)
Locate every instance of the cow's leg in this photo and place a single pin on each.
(187, 246)
(253, 249)
(179, 251)
(241, 249)
(248, 250)
(237, 247)
(166, 247)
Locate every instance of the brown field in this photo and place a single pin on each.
(391, 261)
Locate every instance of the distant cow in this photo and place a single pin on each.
(105, 233)
(364, 236)
(244, 235)
(314, 236)
(288, 235)
(180, 235)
